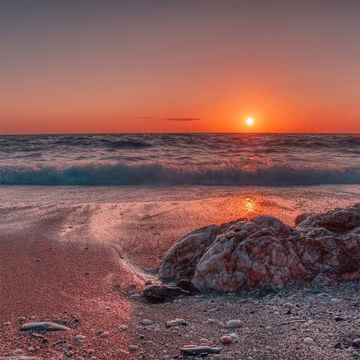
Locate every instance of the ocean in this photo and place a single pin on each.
(72, 250)
(180, 159)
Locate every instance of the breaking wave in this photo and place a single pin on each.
(158, 174)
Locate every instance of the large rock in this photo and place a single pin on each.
(183, 257)
(263, 250)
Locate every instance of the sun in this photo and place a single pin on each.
(250, 121)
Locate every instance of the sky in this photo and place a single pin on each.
(179, 66)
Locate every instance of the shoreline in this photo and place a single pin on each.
(80, 260)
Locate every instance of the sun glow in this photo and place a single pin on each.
(250, 121)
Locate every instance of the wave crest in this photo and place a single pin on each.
(157, 174)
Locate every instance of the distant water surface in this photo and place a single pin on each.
(180, 159)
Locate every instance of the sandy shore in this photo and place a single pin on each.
(75, 256)
(66, 282)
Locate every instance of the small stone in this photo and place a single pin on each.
(43, 326)
(19, 357)
(18, 351)
(188, 286)
(78, 339)
(226, 340)
(104, 334)
(233, 324)
(146, 322)
(31, 349)
(122, 327)
(356, 343)
(21, 319)
(199, 350)
(69, 354)
(323, 295)
(133, 348)
(204, 341)
(161, 293)
(176, 322)
(107, 308)
(309, 341)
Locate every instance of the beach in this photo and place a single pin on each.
(77, 255)
(179, 180)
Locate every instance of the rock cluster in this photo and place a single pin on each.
(265, 251)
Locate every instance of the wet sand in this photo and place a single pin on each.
(74, 255)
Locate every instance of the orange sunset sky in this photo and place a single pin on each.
(179, 66)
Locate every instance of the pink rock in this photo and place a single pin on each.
(226, 340)
(264, 250)
(185, 254)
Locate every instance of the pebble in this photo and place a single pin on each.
(199, 350)
(69, 354)
(43, 326)
(204, 341)
(309, 340)
(122, 327)
(78, 339)
(176, 322)
(146, 322)
(226, 340)
(19, 357)
(323, 295)
(104, 334)
(133, 348)
(31, 349)
(356, 343)
(233, 324)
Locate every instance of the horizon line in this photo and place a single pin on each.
(180, 133)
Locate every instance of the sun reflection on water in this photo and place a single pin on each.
(249, 205)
